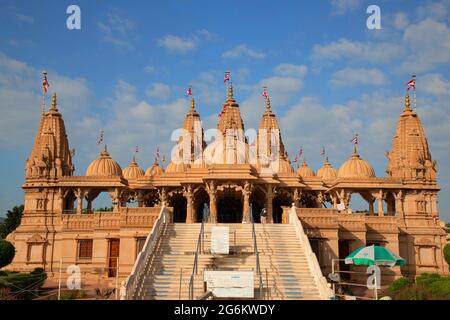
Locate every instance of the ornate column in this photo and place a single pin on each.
(334, 198)
(115, 198)
(269, 203)
(379, 197)
(399, 202)
(163, 197)
(80, 195)
(212, 192)
(297, 196)
(189, 194)
(246, 192)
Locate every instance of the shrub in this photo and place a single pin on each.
(7, 253)
(72, 294)
(23, 285)
(447, 253)
(412, 292)
(398, 285)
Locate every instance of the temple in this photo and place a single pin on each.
(234, 175)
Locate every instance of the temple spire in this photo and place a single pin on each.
(230, 91)
(54, 103)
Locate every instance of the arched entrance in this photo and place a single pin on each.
(229, 206)
(200, 198)
(179, 204)
(258, 200)
(282, 199)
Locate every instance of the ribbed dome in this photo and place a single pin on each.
(356, 167)
(133, 171)
(327, 172)
(282, 166)
(176, 167)
(305, 171)
(104, 166)
(154, 170)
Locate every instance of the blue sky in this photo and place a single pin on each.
(127, 69)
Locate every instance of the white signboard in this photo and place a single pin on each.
(230, 284)
(220, 240)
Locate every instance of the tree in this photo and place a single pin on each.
(12, 221)
(7, 253)
(447, 253)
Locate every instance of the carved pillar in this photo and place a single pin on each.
(115, 198)
(189, 194)
(297, 196)
(379, 197)
(399, 202)
(246, 192)
(212, 192)
(80, 195)
(334, 199)
(163, 197)
(269, 204)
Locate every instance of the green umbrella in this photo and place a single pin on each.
(377, 255)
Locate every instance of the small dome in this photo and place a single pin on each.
(133, 171)
(356, 167)
(282, 166)
(305, 171)
(154, 170)
(327, 172)
(104, 166)
(176, 167)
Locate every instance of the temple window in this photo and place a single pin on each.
(85, 249)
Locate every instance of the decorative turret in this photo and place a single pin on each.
(154, 170)
(327, 172)
(356, 167)
(104, 166)
(133, 171)
(305, 171)
(230, 116)
(50, 156)
(268, 136)
(410, 157)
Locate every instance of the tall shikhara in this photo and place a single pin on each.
(410, 157)
(50, 157)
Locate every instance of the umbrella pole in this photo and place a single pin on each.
(376, 290)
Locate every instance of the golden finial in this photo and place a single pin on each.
(54, 103)
(267, 104)
(192, 104)
(230, 91)
(407, 104)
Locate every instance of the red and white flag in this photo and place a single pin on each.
(296, 158)
(45, 83)
(411, 84)
(189, 92)
(157, 153)
(355, 140)
(227, 77)
(300, 152)
(265, 92)
(100, 139)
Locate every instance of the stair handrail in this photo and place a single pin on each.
(143, 258)
(200, 247)
(325, 291)
(255, 249)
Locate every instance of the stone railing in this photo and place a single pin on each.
(143, 259)
(102, 220)
(325, 292)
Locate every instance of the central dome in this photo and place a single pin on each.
(104, 166)
(327, 172)
(356, 167)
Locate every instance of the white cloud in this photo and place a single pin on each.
(341, 7)
(429, 43)
(401, 20)
(348, 49)
(348, 77)
(243, 50)
(434, 84)
(177, 44)
(435, 10)
(117, 29)
(21, 18)
(158, 90)
(286, 69)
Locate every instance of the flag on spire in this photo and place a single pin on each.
(265, 92)
(300, 152)
(157, 153)
(411, 83)
(189, 91)
(322, 152)
(45, 83)
(100, 139)
(227, 77)
(137, 149)
(295, 159)
(355, 139)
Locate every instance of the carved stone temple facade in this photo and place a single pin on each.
(230, 175)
